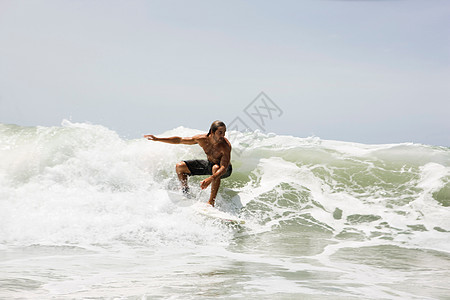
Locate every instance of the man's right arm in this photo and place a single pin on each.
(173, 139)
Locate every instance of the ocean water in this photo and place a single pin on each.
(85, 214)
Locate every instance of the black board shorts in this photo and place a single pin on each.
(204, 167)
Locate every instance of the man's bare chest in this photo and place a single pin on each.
(212, 150)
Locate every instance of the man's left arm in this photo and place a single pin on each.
(224, 163)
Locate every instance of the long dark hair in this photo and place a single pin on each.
(214, 126)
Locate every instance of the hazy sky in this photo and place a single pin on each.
(363, 71)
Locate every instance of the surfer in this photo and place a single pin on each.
(218, 152)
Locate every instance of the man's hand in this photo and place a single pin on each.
(204, 184)
(150, 137)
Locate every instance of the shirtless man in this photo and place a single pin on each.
(218, 151)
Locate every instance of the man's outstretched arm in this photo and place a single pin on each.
(173, 139)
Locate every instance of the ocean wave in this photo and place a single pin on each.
(80, 183)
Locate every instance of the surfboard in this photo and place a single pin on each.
(211, 212)
(180, 199)
(203, 208)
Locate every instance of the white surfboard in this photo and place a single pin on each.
(178, 198)
(214, 213)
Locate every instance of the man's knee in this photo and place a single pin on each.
(182, 168)
(215, 168)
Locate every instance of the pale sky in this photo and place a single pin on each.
(362, 71)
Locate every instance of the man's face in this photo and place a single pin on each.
(219, 135)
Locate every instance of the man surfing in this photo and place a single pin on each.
(218, 152)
